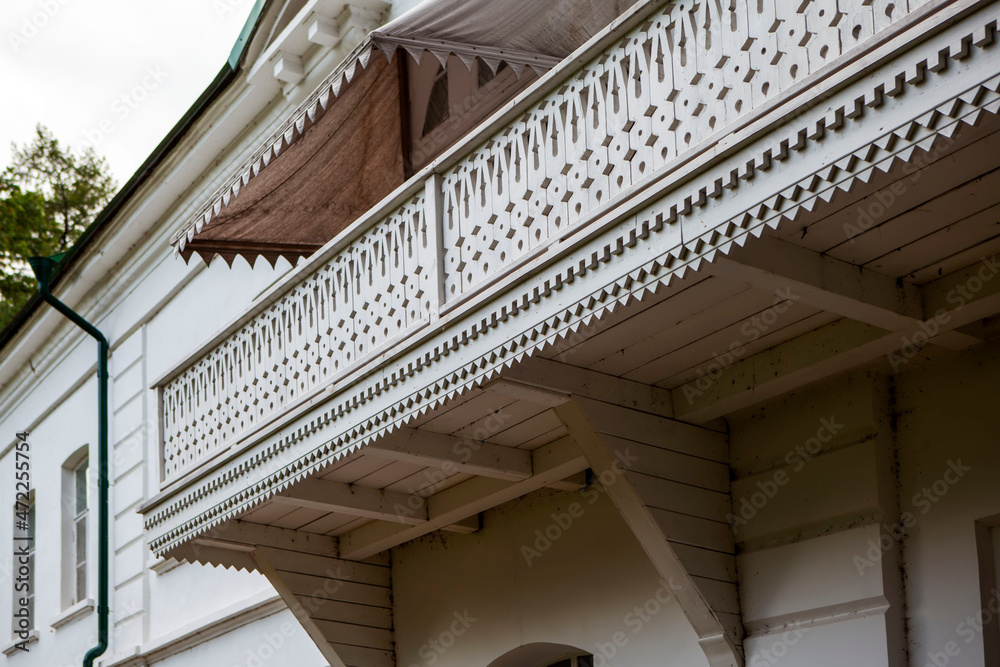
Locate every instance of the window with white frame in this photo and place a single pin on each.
(81, 507)
(75, 511)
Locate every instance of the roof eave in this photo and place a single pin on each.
(221, 81)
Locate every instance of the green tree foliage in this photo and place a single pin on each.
(48, 196)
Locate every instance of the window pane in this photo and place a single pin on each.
(81, 583)
(437, 105)
(585, 661)
(81, 487)
(81, 540)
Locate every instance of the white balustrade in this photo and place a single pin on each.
(681, 77)
(376, 288)
(691, 70)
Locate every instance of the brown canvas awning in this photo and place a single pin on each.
(346, 160)
(342, 149)
(522, 32)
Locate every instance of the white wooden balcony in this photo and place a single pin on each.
(649, 102)
(634, 209)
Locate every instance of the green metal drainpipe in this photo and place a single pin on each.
(43, 268)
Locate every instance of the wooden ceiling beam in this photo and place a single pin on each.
(551, 464)
(956, 300)
(354, 500)
(365, 502)
(794, 273)
(241, 535)
(563, 379)
(453, 453)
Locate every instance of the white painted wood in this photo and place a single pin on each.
(701, 599)
(256, 535)
(794, 322)
(355, 614)
(583, 144)
(288, 68)
(602, 337)
(360, 656)
(667, 342)
(352, 634)
(355, 500)
(833, 285)
(315, 586)
(344, 606)
(843, 345)
(224, 544)
(564, 379)
(314, 334)
(526, 392)
(453, 453)
(631, 425)
(551, 463)
(299, 611)
(321, 30)
(338, 569)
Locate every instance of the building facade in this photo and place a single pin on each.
(553, 333)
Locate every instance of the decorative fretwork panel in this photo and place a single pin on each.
(692, 69)
(377, 288)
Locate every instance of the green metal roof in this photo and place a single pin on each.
(222, 80)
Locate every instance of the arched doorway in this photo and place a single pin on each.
(544, 655)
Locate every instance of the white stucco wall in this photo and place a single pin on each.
(592, 589)
(949, 432)
(277, 640)
(60, 410)
(901, 484)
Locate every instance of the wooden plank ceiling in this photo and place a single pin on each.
(902, 231)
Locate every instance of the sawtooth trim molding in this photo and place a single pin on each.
(658, 223)
(634, 111)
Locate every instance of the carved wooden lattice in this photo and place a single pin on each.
(373, 290)
(675, 81)
(692, 69)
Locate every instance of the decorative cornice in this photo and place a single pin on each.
(666, 223)
(226, 620)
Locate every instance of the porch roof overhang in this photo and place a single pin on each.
(613, 300)
(681, 222)
(519, 33)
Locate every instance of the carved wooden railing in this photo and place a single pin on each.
(671, 83)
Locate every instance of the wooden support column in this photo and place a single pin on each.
(670, 481)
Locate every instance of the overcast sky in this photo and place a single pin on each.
(112, 74)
